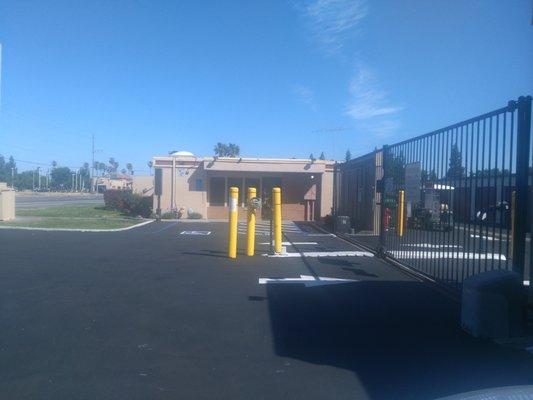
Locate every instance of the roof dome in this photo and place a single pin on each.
(181, 153)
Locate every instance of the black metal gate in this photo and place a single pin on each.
(455, 201)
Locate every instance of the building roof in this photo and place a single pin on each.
(249, 164)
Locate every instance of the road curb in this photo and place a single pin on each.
(26, 228)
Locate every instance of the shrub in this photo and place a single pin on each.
(195, 215)
(138, 205)
(116, 199)
(169, 215)
(128, 203)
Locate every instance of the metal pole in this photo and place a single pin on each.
(276, 199)
(250, 247)
(233, 220)
(522, 172)
(92, 165)
(400, 211)
(271, 232)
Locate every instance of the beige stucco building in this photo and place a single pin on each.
(201, 184)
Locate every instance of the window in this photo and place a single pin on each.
(199, 185)
(216, 191)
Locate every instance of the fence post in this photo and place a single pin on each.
(522, 172)
(382, 214)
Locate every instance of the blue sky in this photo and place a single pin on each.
(281, 78)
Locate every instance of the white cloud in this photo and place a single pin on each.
(305, 95)
(332, 20)
(369, 105)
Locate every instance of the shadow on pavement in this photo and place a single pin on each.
(401, 339)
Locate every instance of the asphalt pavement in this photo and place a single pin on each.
(160, 312)
(45, 200)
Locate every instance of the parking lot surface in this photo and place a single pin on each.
(160, 312)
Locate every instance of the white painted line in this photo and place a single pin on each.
(526, 283)
(26, 228)
(291, 243)
(324, 254)
(489, 238)
(433, 246)
(406, 254)
(197, 233)
(321, 234)
(307, 280)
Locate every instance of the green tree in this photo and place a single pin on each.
(395, 167)
(455, 167)
(425, 177)
(233, 150)
(227, 150)
(312, 157)
(129, 167)
(221, 149)
(150, 166)
(85, 176)
(348, 155)
(322, 156)
(61, 178)
(25, 180)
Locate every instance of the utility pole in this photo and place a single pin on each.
(92, 167)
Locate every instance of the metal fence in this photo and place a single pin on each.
(454, 202)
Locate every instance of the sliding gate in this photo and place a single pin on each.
(455, 201)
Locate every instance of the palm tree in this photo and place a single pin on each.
(113, 165)
(150, 165)
(54, 164)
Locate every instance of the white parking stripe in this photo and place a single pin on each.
(324, 254)
(433, 246)
(406, 254)
(293, 243)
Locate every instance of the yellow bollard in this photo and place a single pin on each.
(276, 202)
(401, 207)
(233, 216)
(250, 246)
(513, 216)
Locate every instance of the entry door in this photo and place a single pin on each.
(266, 195)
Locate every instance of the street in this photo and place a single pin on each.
(44, 200)
(159, 312)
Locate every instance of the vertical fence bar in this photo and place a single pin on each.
(522, 172)
(384, 162)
